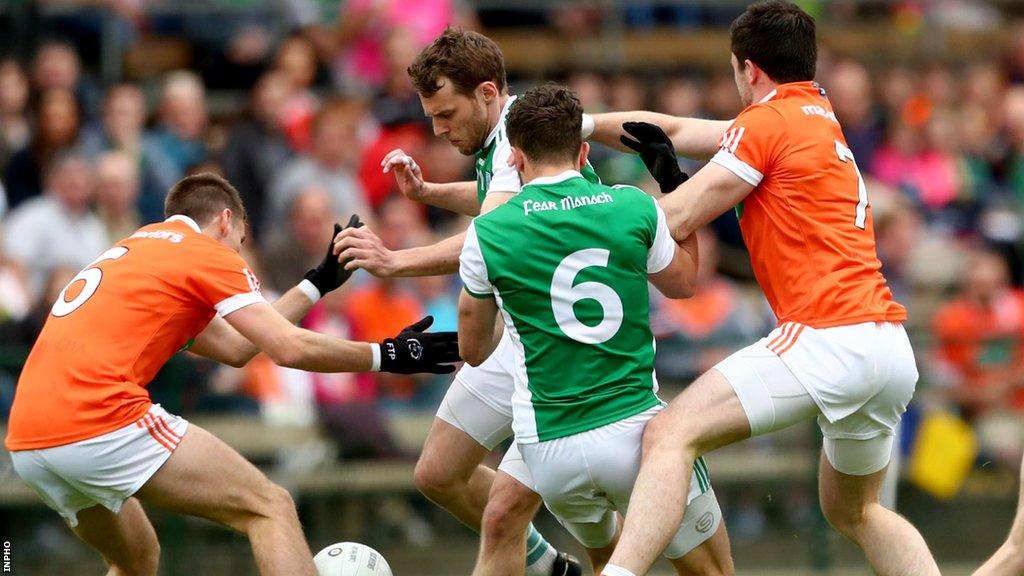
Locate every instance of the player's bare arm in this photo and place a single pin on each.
(477, 334)
(220, 342)
(689, 203)
(692, 137)
(361, 248)
(412, 351)
(459, 197)
(679, 279)
(712, 191)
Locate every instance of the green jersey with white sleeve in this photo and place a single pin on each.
(567, 262)
(491, 162)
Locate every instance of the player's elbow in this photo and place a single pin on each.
(237, 360)
(471, 351)
(676, 286)
(686, 288)
(472, 355)
(286, 352)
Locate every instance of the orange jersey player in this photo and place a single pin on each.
(840, 353)
(83, 432)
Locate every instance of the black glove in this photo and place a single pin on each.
(656, 150)
(330, 275)
(414, 350)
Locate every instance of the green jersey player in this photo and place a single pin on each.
(460, 78)
(567, 262)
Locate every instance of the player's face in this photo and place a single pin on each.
(740, 74)
(459, 118)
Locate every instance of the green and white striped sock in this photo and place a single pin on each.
(540, 556)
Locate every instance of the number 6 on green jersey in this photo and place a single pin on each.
(564, 295)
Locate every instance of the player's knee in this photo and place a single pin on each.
(265, 502)
(508, 512)
(280, 504)
(499, 524)
(434, 480)
(143, 561)
(664, 433)
(846, 519)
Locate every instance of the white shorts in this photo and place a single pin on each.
(104, 470)
(479, 402)
(585, 478)
(856, 379)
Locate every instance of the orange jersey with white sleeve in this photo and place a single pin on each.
(116, 324)
(807, 223)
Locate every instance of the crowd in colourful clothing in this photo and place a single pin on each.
(82, 164)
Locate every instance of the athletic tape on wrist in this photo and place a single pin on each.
(310, 290)
(375, 363)
(588, 126)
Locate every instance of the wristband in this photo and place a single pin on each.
(310, 290)
(375, 362)
(588, 126)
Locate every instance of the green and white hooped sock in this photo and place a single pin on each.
(540, 556)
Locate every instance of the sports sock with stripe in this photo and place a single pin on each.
(540, 556)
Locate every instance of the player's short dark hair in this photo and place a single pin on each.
(202, 196)
(544, 123)
(466, 58)
(779, 37)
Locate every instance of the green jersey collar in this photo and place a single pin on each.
(499, 125)
(558, 179)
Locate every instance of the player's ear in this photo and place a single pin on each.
(584, 151)
(751, 71)
(488, 91)
(224, 221)
(517, 160)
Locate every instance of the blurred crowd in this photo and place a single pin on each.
(83, 163)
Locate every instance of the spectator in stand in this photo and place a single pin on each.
(56, 229)
(23, 330)
(57, 66)
(850, 92)
(122, 129)
(177, 141)
(695, 334)
(331, 163)
(980, 348)
(360, 64)
(920, 159)
(296, 58)
(56, 132)
(591, 89)
(397, 103)
(15, 128)
(297, 247)
(123, 123)
(117, 193)
(898, 232)
(257, 147)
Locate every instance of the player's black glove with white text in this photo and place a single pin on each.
(656, 150)
(331, 274)
(414, 351)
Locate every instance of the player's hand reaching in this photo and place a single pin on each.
(656, 150)
(330, 274)
(414, 351)
(361, 248)
(408, 175)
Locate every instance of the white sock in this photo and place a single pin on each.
(613, 570)
(540, 556)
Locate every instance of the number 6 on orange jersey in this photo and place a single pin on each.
(91, 276)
